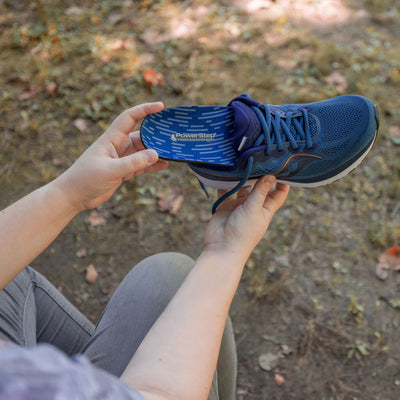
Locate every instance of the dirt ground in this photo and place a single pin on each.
(310, 306)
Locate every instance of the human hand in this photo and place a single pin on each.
(239, 224)
(114, 157)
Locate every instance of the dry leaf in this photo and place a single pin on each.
(81, 124)
(81, 252)
(258, 5)
(51, 88)
(91, 274)
(286, 350)
(268, 361)
(73, 10)
(95, 219)
(170, 202)
(338, 80)
(394, 132)
(17, 78)
(56, 161)
(116, 44)
(29, 93)
(127, 3)
(279, 379)
(389, 260)
(115, 19)
(153, 77)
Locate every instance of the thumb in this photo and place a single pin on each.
(259, 193)
(135, 162)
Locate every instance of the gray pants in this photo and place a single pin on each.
(33, 311)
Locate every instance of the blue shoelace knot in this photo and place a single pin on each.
(278, 124)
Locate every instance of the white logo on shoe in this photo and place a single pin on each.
(193, 137)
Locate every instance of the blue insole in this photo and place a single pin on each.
(191, 134)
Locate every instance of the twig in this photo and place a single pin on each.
(4, 169)
(395, 210)
(296, 242)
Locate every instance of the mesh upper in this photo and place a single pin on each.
(262, 171)
(339, 120)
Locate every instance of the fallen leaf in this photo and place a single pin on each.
(387, 261)
(96, 106)
(257, 5)
(115, 19)
(394, 132)
(153, 78)
(127, 3)
(116, 44)
(153, 38)
(268, 361)
(81, 252)
(73, 10)
(17, 79)
(272, 339)
(29, 93)
(51, 88)
(144, 201)
(337, 79)
(283, 260)
(56, 161)
(37, 49)
(393, 251)
(279, 379)
(95, 219)
(91, 274)
(146, 3)
(106, 58)
(286, 350)
(170, 202)
(81, 124)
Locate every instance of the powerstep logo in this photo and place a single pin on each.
(193, 137)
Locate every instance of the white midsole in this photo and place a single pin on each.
(227, 185)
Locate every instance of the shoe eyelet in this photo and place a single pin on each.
(294, 150)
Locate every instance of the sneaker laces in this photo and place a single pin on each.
(276, 125)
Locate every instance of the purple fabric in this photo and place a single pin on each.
(247, 124)
(45, 373)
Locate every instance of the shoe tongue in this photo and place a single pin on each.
(247, 124)
(248, 127)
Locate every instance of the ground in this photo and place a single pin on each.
(310, 307)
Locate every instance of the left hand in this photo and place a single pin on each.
(239, 224)
(116, 156)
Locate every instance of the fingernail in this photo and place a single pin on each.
(269, 180)
(151, 156)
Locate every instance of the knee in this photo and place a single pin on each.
(164, 268)
(23, 281)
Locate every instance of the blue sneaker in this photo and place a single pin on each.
(304, 145)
